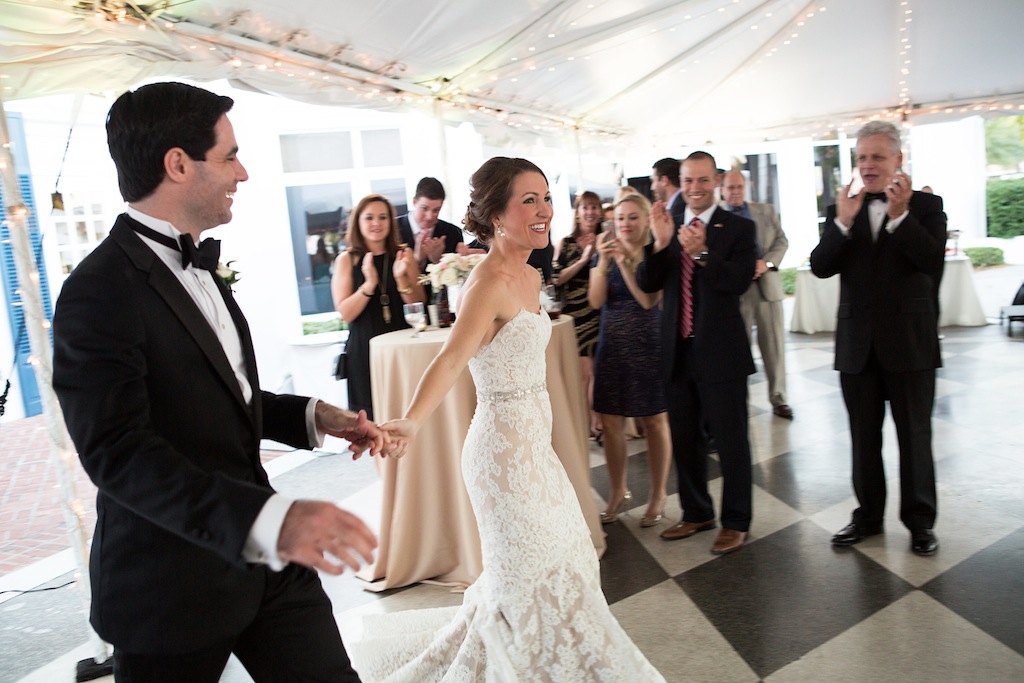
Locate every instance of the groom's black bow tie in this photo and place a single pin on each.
(880, 196)
(205, 256)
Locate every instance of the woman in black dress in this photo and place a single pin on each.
(573, 259)
(372, 279)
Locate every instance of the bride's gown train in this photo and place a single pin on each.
(537, 612)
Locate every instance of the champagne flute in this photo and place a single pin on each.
(416, 316)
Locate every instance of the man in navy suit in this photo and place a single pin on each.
(703, 268)
(665, 187)
(194, 555)
(886, 243)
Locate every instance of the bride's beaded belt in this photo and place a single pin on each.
(500, 396)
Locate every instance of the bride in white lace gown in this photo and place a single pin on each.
(537, 612)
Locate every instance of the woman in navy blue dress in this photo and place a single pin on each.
(627, 381)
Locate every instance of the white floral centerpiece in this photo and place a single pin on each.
(452, 269)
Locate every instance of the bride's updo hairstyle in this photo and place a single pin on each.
(490, 191)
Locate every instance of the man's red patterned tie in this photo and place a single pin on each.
(686, 318)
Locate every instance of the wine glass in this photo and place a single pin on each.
(551, 301)
(416, 316)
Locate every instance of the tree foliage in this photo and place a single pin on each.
(1004, 141)
(1005, 201)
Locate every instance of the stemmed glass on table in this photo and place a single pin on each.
(416, 316)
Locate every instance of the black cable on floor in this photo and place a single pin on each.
(38, 590)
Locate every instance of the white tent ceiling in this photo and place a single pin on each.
(626, 71)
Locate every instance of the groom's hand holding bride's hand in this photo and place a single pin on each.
(354, 428)
(398, 434)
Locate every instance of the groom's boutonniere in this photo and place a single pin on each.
(227, 274)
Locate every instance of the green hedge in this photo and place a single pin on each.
(1005, 199)
(984, 256)
(788, 280)
(335, 325)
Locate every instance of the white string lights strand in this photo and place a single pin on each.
(381, 85)
(784, 37)
(245, 47)
(781, 39)
(904, 46)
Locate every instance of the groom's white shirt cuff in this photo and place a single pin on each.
(261, 545)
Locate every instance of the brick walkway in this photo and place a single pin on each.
(31, 517)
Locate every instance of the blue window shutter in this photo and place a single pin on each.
(9, 275)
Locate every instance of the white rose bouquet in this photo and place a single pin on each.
(450, 270)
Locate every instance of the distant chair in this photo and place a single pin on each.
(1014, 312)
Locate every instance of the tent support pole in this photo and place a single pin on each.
(62, 451)
(442, 141)
(579, 161)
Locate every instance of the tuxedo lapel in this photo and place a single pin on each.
(248, 353)
(167, 286)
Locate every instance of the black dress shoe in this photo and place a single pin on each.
(783, 411)
(855, 533)
(923, 542)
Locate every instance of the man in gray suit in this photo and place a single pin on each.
(763, 301)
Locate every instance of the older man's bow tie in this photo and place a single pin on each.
(880, 196)
(205, 256)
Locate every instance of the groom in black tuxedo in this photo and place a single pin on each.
(194, 555)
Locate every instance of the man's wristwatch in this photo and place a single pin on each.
(701, 257)
(770, 265)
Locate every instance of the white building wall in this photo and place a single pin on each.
(258, 238)
(950, 157)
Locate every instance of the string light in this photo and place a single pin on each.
(904, 52)
(243, 40)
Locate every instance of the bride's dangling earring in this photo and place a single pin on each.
(501, 230)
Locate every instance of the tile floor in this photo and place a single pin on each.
(788, 606)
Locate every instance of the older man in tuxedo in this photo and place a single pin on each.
(703, 268)
(194, 555)
(762, 302)
(886, 243)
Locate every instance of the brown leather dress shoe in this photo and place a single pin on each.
(783, 411)
(686, 529)
(728, 540)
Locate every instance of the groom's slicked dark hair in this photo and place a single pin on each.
(143, 125)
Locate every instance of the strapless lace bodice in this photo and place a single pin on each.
(512, 364)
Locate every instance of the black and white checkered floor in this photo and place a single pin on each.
(788, 606)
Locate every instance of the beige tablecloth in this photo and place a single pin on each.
(814, 308)
(427, 527)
